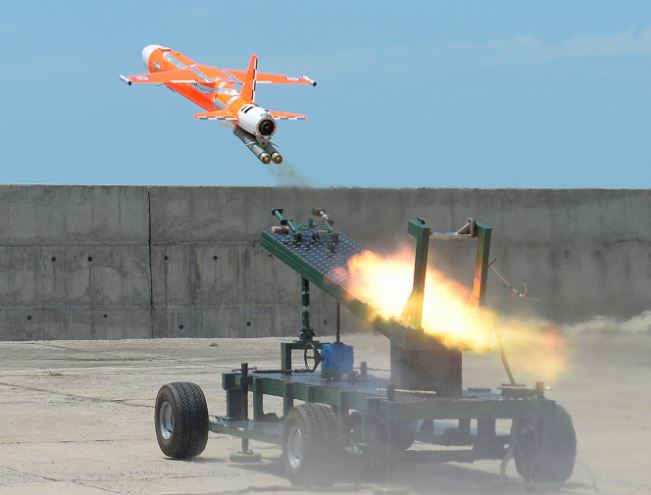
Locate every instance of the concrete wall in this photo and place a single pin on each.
(74, 262)
(170, 261)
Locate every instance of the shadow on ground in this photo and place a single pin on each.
(413, 478)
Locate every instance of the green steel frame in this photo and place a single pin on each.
(377, 400)
(484, 407)
(421, 232)
(481, 404)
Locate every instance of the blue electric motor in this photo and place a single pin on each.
(337, 361)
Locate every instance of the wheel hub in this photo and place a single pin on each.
(295, 447)
(166, 420)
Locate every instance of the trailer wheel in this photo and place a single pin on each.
(310, 445)
(181, 420)
(545, 450)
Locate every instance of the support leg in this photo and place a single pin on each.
(245, 454)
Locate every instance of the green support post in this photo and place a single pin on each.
(245, 455)
(286, 355)
(258, 403)
(233, 396)
(483, 234)
(414, 310)
(306, 333)
(288, 397)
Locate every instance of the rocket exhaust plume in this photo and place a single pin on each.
(385, 282)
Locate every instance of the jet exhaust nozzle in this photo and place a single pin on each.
(277, 158)
(265, 158)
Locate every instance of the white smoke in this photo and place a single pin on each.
(637, 325)
(287, 175)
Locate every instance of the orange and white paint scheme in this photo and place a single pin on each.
(224, 94)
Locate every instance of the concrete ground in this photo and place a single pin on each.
(77, 417)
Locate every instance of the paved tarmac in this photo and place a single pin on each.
(76, 417)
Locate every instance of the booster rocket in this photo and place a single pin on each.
(266, 153)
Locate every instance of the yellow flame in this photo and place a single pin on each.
(385, 283)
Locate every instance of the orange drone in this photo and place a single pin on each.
(225, 94)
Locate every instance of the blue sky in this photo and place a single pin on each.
(410, 94)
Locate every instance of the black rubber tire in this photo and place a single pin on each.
(545, 451)
(189, 433)
(319, 459)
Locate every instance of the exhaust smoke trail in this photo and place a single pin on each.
(287, 175)
(605, 325)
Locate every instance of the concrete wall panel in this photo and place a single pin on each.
(172, 261)
(248, 320)
(50, 214)
(93, 275)
(75, 322)
(74, 262)
(219, 273)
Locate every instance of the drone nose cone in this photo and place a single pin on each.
(147, 51)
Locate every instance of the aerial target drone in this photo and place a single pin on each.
(224, 94)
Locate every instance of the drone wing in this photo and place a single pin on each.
(215, 115)
(163, 77)
(266, 78)
(287, 115)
